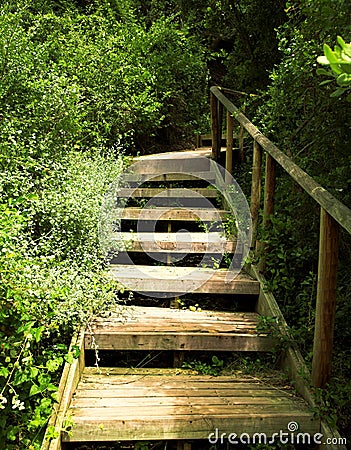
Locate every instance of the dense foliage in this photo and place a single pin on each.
(310, 120)
(78, 87)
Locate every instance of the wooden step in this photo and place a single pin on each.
(208, 176)
(180, 163)
(171, 214)
(122, 405)
(150, 328)
(167, 193)
(182, 279)
(175, 242)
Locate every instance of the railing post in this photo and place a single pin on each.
(241, 140)
(256, 189)
(229, 149)
(220, 121)
(216, 126)
(326, 300)
(268, 204)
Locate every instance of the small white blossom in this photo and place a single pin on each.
(3, 401)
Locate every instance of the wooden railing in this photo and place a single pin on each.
(333, 214)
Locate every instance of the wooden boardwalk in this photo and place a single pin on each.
(164, 194)
(117, 404)
(141, 405)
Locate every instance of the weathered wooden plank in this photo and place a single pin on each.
(69, 381)
(170, 213)
(167, 193)
(205, 151)
(168, 379)
(134, 378)
(326, 300)
(229, 144)
(172, 155)
(174, 163)
(158, 407)
(215, 127)
(182, 279)
(256, 188)
(268, 204)
(178, 330)
(132, 371)
(97, 390)
(169, 412)
(186, 427)
(121, 313)
(196, 402)
(176, 326)
(213, 242)
(206, 176)
(180, 341)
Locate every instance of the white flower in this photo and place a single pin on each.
(3, 401)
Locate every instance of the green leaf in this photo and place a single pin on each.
(341, 42)
(12, 432)
(69, 358)
(37, 332)
(336, 68)
(344, 79)
(32, 197)
(20, 378)
(53, 364)
(35, 389)
(345, 67)
(44, 380)
(323, 72)
(34, 372)
(326, 82)
(323, 60)
(52, 388)
(330, 55)
(338, 92)
(3, 372)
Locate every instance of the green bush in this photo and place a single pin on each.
(313, 128)
(51, 282)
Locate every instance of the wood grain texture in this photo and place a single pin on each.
(182, 279)
(167, 193)
(326, 300)
(205, 175)
(175, 242)
(171, 213)
(189, 407)
(175, 329)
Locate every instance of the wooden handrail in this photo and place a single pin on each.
(333, 215)
(340, 212)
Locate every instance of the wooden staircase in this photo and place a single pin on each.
(105, 404)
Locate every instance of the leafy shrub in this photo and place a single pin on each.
(51, 282)
(339, 61)
(76, 85)
(312, 128)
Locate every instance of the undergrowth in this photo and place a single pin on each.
(52, 281)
